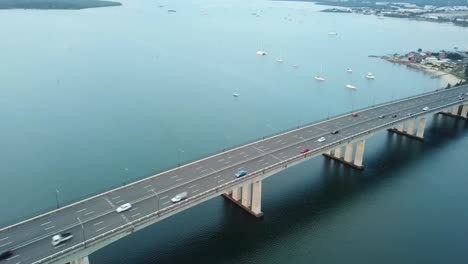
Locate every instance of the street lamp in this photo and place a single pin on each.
(157, 197)
(57, 192)
(82, 229)
(179, 151)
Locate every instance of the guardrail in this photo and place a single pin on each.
(194, 200)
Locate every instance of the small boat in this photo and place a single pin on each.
(235, 94)
(261, 53)
(296, 66)
(280, 59)
(349, 86)
(349, 70)
(370, 76)
(333, 33)
(319, 77)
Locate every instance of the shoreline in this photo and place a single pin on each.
(446, 77)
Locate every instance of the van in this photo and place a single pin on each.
(179, 197)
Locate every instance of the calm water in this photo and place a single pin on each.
(94, 98)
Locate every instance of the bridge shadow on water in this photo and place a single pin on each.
(300, 197)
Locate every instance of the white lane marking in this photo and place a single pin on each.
(265, 149)
(15, 256)
(164, 197)
(100, 229)
(79, 211)
(5, 244)
(298, 147)
(242, 153)
(245, 156)
(261, 160)
(98, 223)
(175, 176)
(217, 176)
(220, 160)
(46, 223)
(285, 156)
(148, 186)
(221, 180)
(276, 157)
(240, 168)
(179, 179)
(192, 186)
(230, 157)
(114, 198)
(196, 191)
(50, 227)
(281, 153)
(294, 136)
(88, 213)
(199, 168)
(165, 203)
(278, 141)
(284, 142)
(266, 163)
(5, 238)
(137, 214)
(119, 201)
(227, 162)
(204, 170)
(61, 245)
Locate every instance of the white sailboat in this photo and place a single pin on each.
(261, 53)
(349, 70)
(370, 76)
(349, 86)
(235, 94)
(332, 33)
(280, 59)
(319, 77)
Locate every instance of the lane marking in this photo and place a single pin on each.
(100, 229)
(276, 157)
(164, 197)
(196, 191)
(120, 201)
(46, 223)
(192, 186)
(79, 211)
(148, 186)
(137, 214)
(88, 213)
(227, 162)
(266, 163)
(199, 168)
(245, 156)
(59, 246)
(175, 176)
(204, 170)
(117, 197)
(165, 203)
(5, 244)
(298, 147)
(50, 227)
(98, 223)
(179, 179)
(230, 157)
(221, 180)
(220, 160)
(278, 141)
(285, 157)
(242, 153)
(1, 239)
(15, 256)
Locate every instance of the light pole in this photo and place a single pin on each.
(157, 197)
(82, 229)
(179, 151)
(57, 192)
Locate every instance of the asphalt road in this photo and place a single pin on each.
(31, 240)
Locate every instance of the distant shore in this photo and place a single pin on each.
(56, 4)
(446, 77)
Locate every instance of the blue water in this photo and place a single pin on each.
(94, 98)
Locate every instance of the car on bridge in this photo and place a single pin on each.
(394, 116)
(354, 114)
(425, 108)
(123, 207)
(179, 197)
(322, 139)
(334, 132)
(381, 116)
(240, 173)
(305, 150)
(61, 238)
(5, 255)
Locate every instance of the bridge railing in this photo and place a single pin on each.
(194, 200)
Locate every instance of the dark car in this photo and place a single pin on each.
(393, 116)
(335, 132)
(6, 254)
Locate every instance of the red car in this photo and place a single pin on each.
(354, 114)
(305, 150)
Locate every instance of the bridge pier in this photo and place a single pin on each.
(456, 111)
(410, 132)
(83, 260)
(348, 157)
(251, 199)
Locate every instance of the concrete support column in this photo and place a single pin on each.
(401, 127)
(246, 195)
(421, 127)
(83, 260)
(455, 110)
(411, 126)
(236, 193)
(349, 152)
(464, 111)
(359, 153)
(338, 152)
(257, 198)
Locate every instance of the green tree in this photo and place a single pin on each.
(419, 50)
(466, 71)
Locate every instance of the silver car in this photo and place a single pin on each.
(179, 197)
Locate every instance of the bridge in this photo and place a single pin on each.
(95, 223)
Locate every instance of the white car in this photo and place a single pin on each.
(425, 108)
(123, 207)
(322, 139)
(58, 239)
(179, 197)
